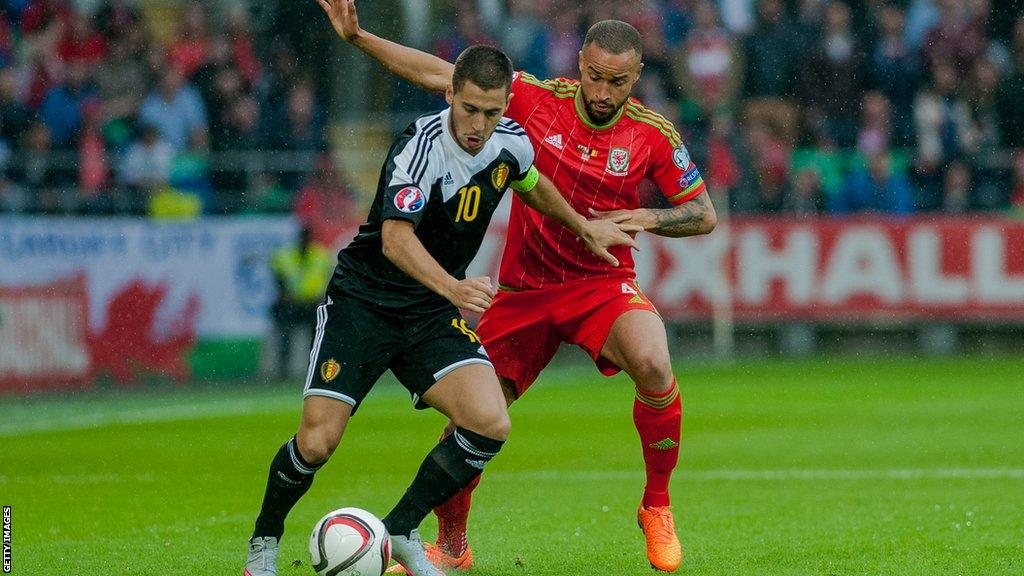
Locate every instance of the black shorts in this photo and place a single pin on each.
(355, 343)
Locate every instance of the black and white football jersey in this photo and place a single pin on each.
(449, 196)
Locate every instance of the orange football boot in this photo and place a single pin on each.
(663, 548)
(441, 559)
(446, 561)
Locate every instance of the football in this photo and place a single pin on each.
(349, 542)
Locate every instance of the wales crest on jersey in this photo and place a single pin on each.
(618, 161)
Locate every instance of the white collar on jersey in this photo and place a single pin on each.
(482, 158)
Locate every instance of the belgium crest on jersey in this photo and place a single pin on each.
(329, 370)
(618, 161)
(499, 176)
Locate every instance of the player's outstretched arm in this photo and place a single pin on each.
(424, 70)
(404, 249)
(691, 218)
(598, 235)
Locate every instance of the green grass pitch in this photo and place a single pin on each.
(874, 467)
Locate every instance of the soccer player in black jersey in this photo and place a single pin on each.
(393, 303)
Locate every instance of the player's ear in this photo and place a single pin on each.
(449, 94)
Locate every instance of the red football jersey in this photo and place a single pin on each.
(599, 167)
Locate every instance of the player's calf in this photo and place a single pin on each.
(290, 477)
(449, 467)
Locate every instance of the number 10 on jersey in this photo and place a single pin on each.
(469, 204)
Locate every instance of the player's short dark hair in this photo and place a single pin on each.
(615, 36)
(485, 66)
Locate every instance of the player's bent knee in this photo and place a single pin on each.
(317, 446)
(496, 425)
(652, 371)
(502, 427)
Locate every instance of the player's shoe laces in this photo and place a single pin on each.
(262, 560)
(663, 549)
(409, 552)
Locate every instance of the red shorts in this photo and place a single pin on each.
(522, 330)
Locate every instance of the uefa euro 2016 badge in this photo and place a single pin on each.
(410, 199)
(329, 370)
(681, 157)
(618, 161)
(500, 176)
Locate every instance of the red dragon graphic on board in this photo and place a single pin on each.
(133, 343)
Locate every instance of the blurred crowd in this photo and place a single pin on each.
(100, 113)
(810, 105)
(800, 106)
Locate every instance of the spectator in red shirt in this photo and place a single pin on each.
(723, 169)
(81, 43)
(710, 62)
(770, 157)
(189, 51)
(41, 14)
(324, 204)
(93, 164)
(242, 51)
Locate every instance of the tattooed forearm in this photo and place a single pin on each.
(691, 218)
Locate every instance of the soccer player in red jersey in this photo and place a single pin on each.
(597, 145)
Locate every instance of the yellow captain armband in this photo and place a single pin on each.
(528, 182)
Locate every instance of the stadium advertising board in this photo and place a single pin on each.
(870, 269)
(44, 341)
(150, 291)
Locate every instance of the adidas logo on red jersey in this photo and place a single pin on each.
(555, 140)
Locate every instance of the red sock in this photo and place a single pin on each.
(658, 419)
(453, 517)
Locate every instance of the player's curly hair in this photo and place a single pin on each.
(615, 36)
(485, 66)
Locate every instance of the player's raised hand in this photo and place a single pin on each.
(473, 294)
(599, 234)
(342, 14)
